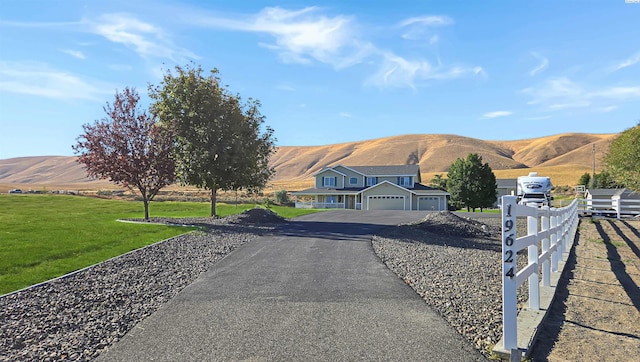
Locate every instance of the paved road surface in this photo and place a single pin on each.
(314, 290)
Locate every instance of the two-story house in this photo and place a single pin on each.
(372, 188)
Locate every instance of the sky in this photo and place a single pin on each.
(328, 72)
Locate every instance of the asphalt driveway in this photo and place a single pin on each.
(312, 291)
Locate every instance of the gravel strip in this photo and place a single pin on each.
(78, 316)
(454, 264)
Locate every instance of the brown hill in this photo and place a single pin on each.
(572, 153)
(435, 153)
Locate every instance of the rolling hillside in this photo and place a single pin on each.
(564, 156)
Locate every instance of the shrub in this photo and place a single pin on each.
(282, 197)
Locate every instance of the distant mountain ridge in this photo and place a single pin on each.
(433, 152)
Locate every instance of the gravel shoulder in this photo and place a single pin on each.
(453, 263)
(78, 316)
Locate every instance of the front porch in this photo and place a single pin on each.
(331, 202)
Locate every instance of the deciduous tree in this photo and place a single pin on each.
(472, 183)
(623, 159)
(220, 143)
(128, 147)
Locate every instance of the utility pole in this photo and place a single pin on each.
(593, 169)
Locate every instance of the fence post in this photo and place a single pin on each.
(554, 240)
(509, 270)
(619, 208)
(546, 267)
(534, 291)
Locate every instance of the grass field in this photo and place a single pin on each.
(45, 236)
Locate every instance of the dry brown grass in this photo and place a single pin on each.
(563, 157)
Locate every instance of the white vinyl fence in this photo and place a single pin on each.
(549, 230)
(609, 207)
(319, 205)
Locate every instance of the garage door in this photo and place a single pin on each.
(386, 202)
(429, 203)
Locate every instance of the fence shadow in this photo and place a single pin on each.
(629, 242)
(618, 266)
(557, 314)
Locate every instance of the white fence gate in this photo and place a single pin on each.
(552, 231)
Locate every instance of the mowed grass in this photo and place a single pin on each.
(45, 236)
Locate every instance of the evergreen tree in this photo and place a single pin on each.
(472, 183)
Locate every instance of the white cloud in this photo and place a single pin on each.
(345, 115)
(608, 109)
(563, 93)
(634, 59)
(544, 63)
(397, 71)
(40, 80)
(496, 114)
(428, 20)
(74, 53)
(307, 35)
(285, 87)
(418, 28)
(303, 35)
(145, 39)
(621, 93)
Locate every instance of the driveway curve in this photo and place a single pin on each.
(314, 290)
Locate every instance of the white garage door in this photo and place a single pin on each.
(429, 203)
(386, 202)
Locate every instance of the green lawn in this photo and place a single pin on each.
(44, 236)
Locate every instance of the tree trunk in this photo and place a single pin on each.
(146, 207)
(213, 202)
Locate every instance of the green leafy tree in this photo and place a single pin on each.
(585, 179)
(220, 143)
(622, 161)
(129, 147)
(438, 182)
(604, 180)
(472, 183)
(281, 197)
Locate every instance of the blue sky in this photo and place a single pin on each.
(332, 71)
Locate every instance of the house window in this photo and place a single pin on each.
(353, 181)
(404, 180)
(371, 181)
(329, 182)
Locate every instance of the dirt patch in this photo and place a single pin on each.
(596, 315)
(258, 216)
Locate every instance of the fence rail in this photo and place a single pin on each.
(549, 230)
(320, 205)
(613, 207)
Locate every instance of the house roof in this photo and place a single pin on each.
(626, 194)
(507, 182)
(602, 192)
(399, 170)
(417, 189)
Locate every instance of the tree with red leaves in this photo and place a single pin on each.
(129, 147)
